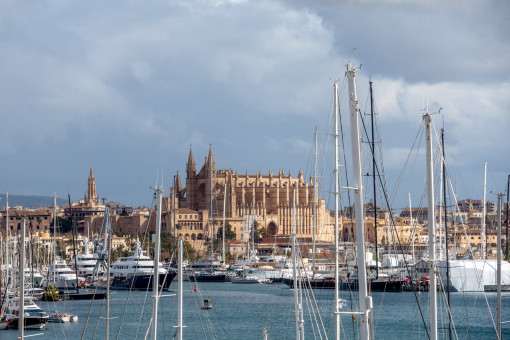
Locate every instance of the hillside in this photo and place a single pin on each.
(30, 201)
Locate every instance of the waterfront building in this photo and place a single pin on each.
(38, 220)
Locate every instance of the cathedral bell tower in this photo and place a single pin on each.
(91, 191)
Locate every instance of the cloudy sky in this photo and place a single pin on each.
(128, 86)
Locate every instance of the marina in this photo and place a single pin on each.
(243, 311)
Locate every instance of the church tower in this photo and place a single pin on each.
(91, 192)
(191, 171)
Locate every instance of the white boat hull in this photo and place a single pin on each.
(474, 275)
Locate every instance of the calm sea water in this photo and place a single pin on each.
(242, 312)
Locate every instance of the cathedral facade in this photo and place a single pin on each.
(268, 199)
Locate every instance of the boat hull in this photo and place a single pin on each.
(142, 282)
(208, 278)
(377, 286)
(30, 322)
(315, 284)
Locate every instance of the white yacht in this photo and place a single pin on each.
(61, 276)
(33, 276)
(84, 263)
(34, 316)
(136, 271)
(474, 275)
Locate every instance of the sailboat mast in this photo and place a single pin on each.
(21, 310)
(179, 293)
(411, 218)
(211, 217)
(337, 199)
(223, 229)
(432, 230)
(500, 198)
(108, 244)
(445, 229)
(507, 206)
(294, 273)
(243, 223)
(365, 301)
(440, 219)
(314, 217)
(373, 180)
(8, 232)
(483, 241)
(294, 269)
(73, 229)
(253, 226)
(155, 278)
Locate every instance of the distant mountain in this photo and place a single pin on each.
(31, 202)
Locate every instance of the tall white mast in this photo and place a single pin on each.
(337, 199)
(21, 311)
(54, 225)
(155, 278)
(294, 270)
(7, 233)
(223, 229)
(211, 218)
(484, 212)
(314, 217)
(253, 214)
(179, 294)
(108, 244)
(440, 250)
(432, 230)
(498, 273)
(412, 229)
(365, 302)
(243, 223)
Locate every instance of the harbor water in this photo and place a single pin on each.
(242, 311)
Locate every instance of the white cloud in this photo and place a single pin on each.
(233, 72)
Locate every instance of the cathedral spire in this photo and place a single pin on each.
(177, 184)
(210, 159)
(191, 167)
(191, 161)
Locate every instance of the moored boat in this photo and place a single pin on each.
(136, 272)
(34, 316)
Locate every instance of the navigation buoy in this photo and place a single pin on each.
(196, 289)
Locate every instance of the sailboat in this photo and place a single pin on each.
(22, 308)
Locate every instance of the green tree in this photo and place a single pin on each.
(64, 225)
(229, 257)
(50, 294)
(260, 232)
(229, 234)
(193, 238)
(189, 251)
